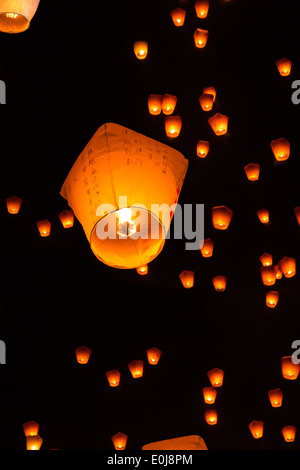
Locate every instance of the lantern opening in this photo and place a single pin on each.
(11, 22)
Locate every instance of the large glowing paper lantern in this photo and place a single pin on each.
(287, 266)
(252, 171)
(202, 7)
(275, 397)
(216, 377)
(153, 355)
(136, 368)
(257, 429)
(281, 149)
(289, 370)
(83, 354)
(219, 123)
(202, 148)
(117, 188)
(200, 37)
(140, 48)
(31, 428)
(119, 441)
(187, 278)
(289, 433)
(33, 442)
(113, 376)
(154, 104)
(13, 204)
(178, 443)
(173, 126)
(221, 217)
(15, 15)
(178, 16)
(284, 66)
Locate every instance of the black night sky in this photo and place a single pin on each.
(71, 72)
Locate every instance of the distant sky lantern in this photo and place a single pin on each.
(206, 101)
(266, 259)
(13, 204)
(153, 355)
(31, 428)
(168, 103)
(275, 397)
(207, 248)
(83, 354)
(252, 171)
(16, 15)
(216, 377)
(187, 279)
(272, 298)
(210, 90)
(44, 227)
(200, 37)
(263, 215)
(219, 283)
(33, 442)
(117, 188)
(221, 217)
(202, 148)
(67, 218)
(209, 395)
(211, 416)
(113, 376)
(154, 104)
(202, 7)
(136, 368)
(257, 429)
(297, 214)
(289, 433)
(142, 270)
(173, 126)
(268, 275)
(284, 66)
(287, 266)
(178, 16)
(140, 49)
(219, 123)
(281, 149)
(119, 441)
(289, 370)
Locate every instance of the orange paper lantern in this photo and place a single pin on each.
(119, 441)
(272, 298)
(275, 397)
(219, 283)
(266, 259)
(33, 442)
(268, 275)
(168, 103)
(178, 16)
(211, 416)
(252, 171)
(187, 279)
(173, 126)
(83, 354)
(202, 7)
(113, 376)
(136, 368)
(142, 270)
(31, 428)
(67, 218)
(219, 123)
(200, 37)
(209, 394)
(297, 214)
(216, 377)
(13, 204)
(44, 227)
(154, 104)
(202, 148)
(153, 355)
(289, 433)
(207, 248)
(263, 215)
(278, 272)
(221, 217)
(206, 101)
(16, 15)
(289, 370)
(140, 49)
(287, 266)
(284, 66)
(257, 429)
(281, 149)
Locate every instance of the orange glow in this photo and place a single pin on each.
(154, 104)
(268, 275)
(287, 266)
(202, 7)
(13, 204)
(200, 37)
(297, 214)
(257, 429)
(67, 218)
(290, 371)
(284, 66)
(272, 298)
(140, 49)
(187, 279)
(113, 376)
(209, 394)
(289, 433)
(266, 259)
(281, 149)
(142, 270)
(168, 103)
(44, 227)
(252, 171)
(206, 101)
(119, 441)
(219, 123)
(207, 248)
(83, 354)
(153, 355)
(221, 217)
(211, 417)
(216, 377)
(178, 16)
(31, 428)
(33, 442)
(219, 283)
(173, 126)
(263, 215)
(202, 148)
(136, 368)
(275, 397)
(210, 90)
(278, 272)
(15, 15)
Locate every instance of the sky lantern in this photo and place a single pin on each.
(154, 104)
(207, 248)
(16, 15)
(200, 37)
(211, 416)
(275, 397)
(210, 90)
(202, 7)
(272, 298)
(136, 368)
(202, 148)
(13, 204)
(290, 371)
(187, 279)
(266, 259)
(287, 266)
(219, 283)
(289, 433)
(297, 214)
(113, 376)
(252, 171)
(221, 217)
(219, 123)
(284, 66)
(263, 215)
(83, 354)
(209, 395)
(278, 272)
(119, 441)
(67, 218)
(116, 189)
(168, 103)
(34, 442)
(206, 101)
(140, 49)
(31, 428)
(216, 377)
(173, 126)
(44, 227)
(178, 16)
(142, 270)
(268, 275)
(256, 429)
(281, 149)
(153, 355)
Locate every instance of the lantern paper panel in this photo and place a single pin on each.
(192, 442)
(178, 16)
(275, 397)
(168, 104)
(83, 354)
(252, 171)
(289, 370)
(136, 368)
(16, 15)
(34, 442)
(221, 217)
(257, 429)
(140, 49)
(200, 38)
(187, 278)
(13, 204)
(122, 176)
(216, 377)
(202, 148)
(119, 441)
(113, 376)
(202, 7)
(153, 355)
(154, 104)
(284, 66)
(289, 433)
(207, 248)
(31, 428)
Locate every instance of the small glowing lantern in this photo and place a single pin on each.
(31, 428)
(275, 397)
(281, 149)
(136, 368)
(200, 37)
(67, 218)
(263, 215)
(178, 16)
(173, 126)
(290, 371)
(206, 101)
(266, 259)
(187, 279)
(142, 270)
(15, 15)
(211, 417)
(168, 103)
(221, 217)
(297, 214)
(209, 394)
(202, 7)
(272, 298)
(219, 283)
(153, 355)
(278, 272)
(113, 376)
(13, 204)
(202, 148)
(154, 104)
(219, 123)
(140, 49)
(252, 171)
(44, 227)
(289, 433)
(268, 275)
(210, 90)
(119, 441)
(216, 377)
(33, 442)
(83, 354)
(257, 429)
(284, 66)
(207, 248)
(287, 266)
